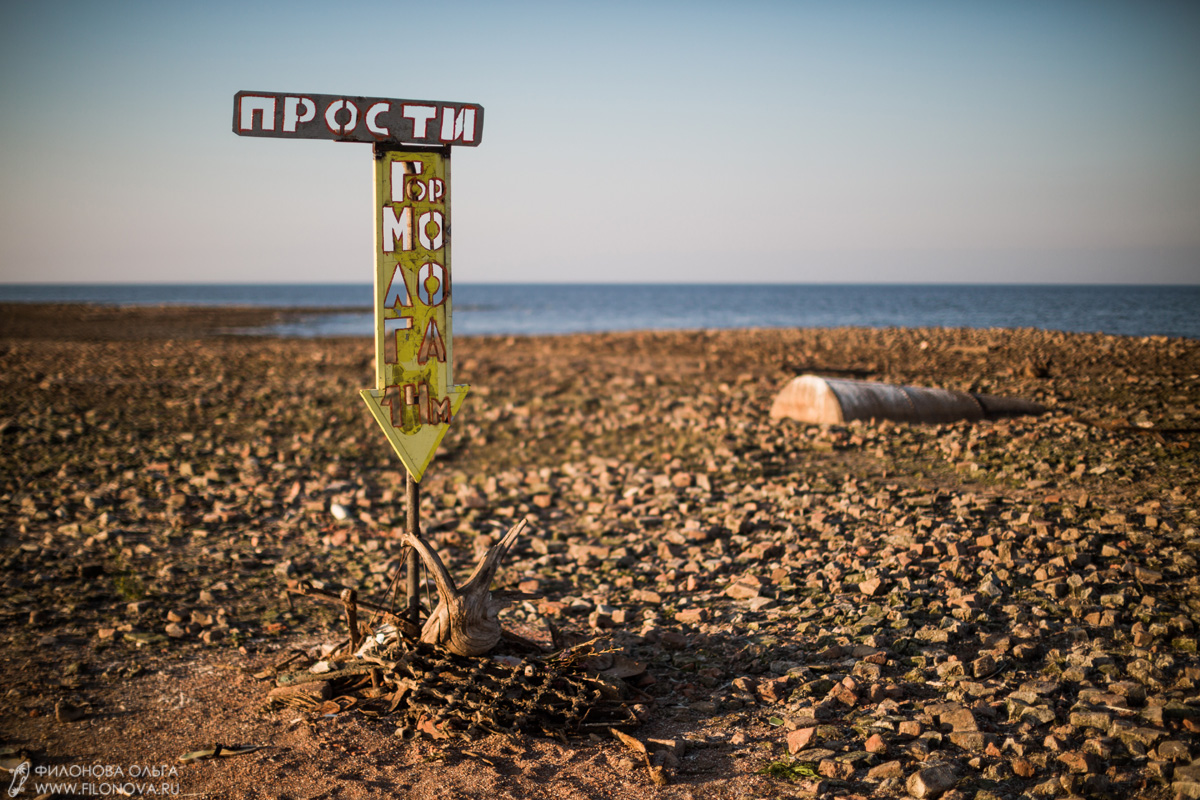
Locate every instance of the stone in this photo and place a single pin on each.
(971, 741)
(1173, 750)
(960, 719)
(1054, 744)
(1051, 787)
(931, 781)
(1189, 790)
(984, 665)
(774, 691)
(1082, 763)
(601, 617)
(885, 771)
(870, 587)
(843, 694)
(1160, 771)
(816, 754)
(799, 739)
(1189, 773)
(1132, 691)
(1102, 747)
(1091, 719)
(839, 770)
(741, 591)
(1132, 733)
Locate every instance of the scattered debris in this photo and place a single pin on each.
(65, 711)
(657, 772)
(442, 694)
(219, 751)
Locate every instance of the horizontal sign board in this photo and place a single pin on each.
(357, 119)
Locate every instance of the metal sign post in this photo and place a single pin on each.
(414, 398)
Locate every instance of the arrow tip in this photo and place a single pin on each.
(417, 448)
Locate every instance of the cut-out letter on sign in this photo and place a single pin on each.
(431, 283)
(437, 190)
(263, 106)
(297, 109)
(331, 117)
(400, 399)
(430, 220)
(401, 170)
(458, 126)
(432, 345)
(391, 337)
(433, 411)
(391, 399)
(372, 119)
(420, 116)
(397, 296)
(397, 229)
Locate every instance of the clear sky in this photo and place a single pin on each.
(689, 141)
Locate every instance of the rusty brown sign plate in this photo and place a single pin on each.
(357, 119)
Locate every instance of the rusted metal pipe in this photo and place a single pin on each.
(350, 602)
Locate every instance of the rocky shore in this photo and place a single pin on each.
(993, 610)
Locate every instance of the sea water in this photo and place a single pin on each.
(540, 309)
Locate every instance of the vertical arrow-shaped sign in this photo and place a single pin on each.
(414, 398)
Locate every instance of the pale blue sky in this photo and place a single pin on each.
(649, 141)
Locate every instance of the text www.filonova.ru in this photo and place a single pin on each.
(96, 780)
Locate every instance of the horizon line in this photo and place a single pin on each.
(746, 283)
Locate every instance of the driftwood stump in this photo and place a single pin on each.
(465, 620)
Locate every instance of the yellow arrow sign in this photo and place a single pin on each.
(414, 398)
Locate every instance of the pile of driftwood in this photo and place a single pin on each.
(447, 678)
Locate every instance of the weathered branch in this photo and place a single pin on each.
(465, 620)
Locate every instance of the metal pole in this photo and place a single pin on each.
(414, 561)
(350, 602)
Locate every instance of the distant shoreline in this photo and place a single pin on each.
(24, 320)
(344, 310)
(112, 322)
